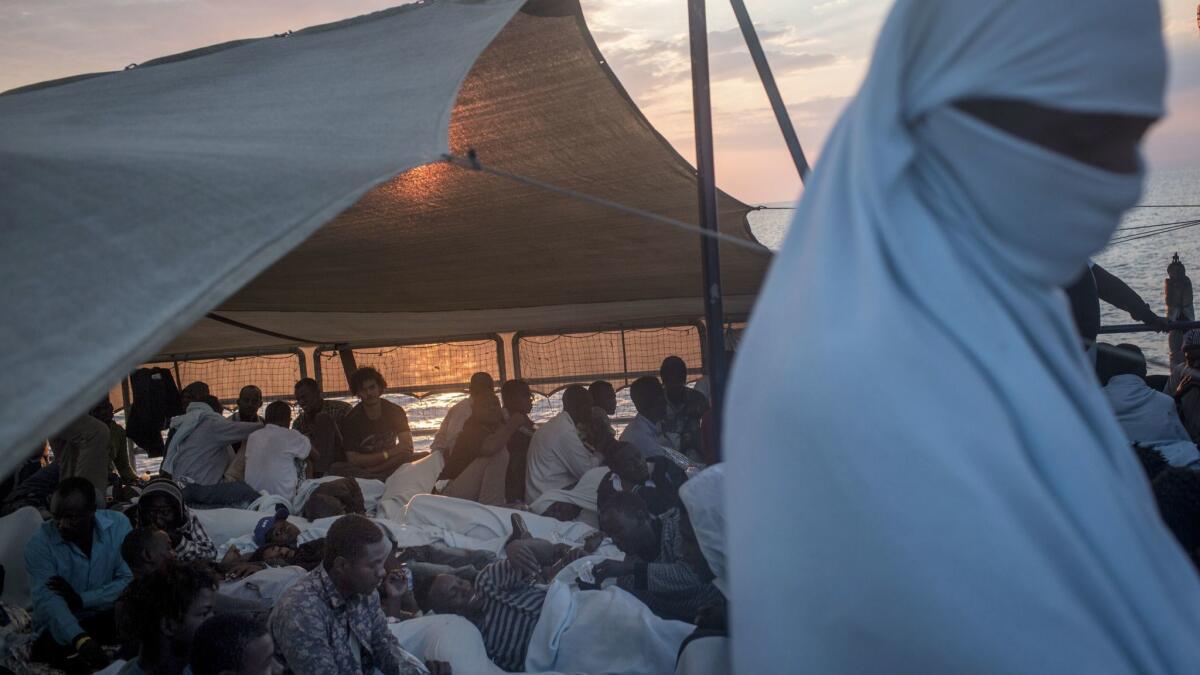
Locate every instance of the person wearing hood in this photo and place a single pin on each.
(198, 452)
(1146, 415)
(161, 506)
(990, 517)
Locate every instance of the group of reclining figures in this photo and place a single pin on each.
(142, 586)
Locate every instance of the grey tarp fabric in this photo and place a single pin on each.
(442, 251)
(164, 197)
(133, 202)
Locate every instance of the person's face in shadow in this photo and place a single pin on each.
(1102, 140)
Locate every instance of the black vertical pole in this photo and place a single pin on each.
(768, 83)
(714, 313)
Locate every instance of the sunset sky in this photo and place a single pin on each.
(818, 50)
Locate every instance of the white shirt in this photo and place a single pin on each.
(271, 455)
(452, 426)
(643, 435)
(1145, 414)
(557, 457)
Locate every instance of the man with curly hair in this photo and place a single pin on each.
(375, 433)
(161, 612)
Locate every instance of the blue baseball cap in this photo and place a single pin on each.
(263, 528)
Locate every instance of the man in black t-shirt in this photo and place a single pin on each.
(375, 433)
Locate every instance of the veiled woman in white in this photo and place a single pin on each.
(923, 473)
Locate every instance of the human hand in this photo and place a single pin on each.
(233, 555)
(608, 569)
(523, 558)
(574, 554)
(593, 541)
(395, 583)
(62, 587)
(439, 668)
(242, 570)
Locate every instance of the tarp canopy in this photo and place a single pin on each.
(133, 203)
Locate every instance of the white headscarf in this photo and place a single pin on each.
(923, 475)
(703, 495)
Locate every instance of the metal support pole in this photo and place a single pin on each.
(768, 83)
(348, 363)
(714, 312)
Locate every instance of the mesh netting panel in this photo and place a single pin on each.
(551, 362)
(442, 366)
(275, 374)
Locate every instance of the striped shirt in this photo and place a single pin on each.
(511, 607)
(667, 584)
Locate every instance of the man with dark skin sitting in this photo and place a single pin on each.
(604, 405)
(318, 420)
(656, 480)
(558, 453)
(75, 575)
(331, 621)
(685, 408)
(249, 400)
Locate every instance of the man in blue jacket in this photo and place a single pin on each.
(75, 575)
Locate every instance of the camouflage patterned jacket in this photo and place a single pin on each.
(318, 632)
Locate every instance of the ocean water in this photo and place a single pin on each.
(1140, 263)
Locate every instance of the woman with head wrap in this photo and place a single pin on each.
(985, 513)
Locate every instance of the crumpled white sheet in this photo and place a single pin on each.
(604, 631)
(372, 490)
(15, 531)
(448, 638)
(582, 495)
(472, 525)
(407, 482)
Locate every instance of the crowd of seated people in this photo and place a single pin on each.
(136, 581)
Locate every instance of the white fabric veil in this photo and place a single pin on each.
(703, 495)
(923, 474)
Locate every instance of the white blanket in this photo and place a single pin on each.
(605, 631)
(582, 495)
(15, 531)
(372, 490)
(448, 638)
(407, 482)
(472, 525)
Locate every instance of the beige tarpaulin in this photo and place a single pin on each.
(132, 203)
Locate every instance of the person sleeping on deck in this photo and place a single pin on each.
(655, 568)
